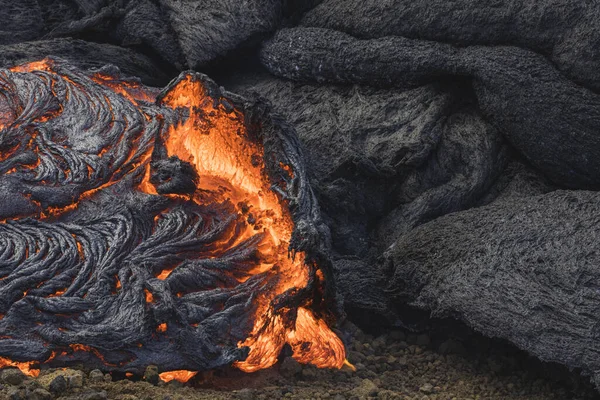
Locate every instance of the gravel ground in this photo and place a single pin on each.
(394, 365)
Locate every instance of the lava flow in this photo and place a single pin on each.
(158, 202)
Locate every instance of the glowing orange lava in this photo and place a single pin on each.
(28, 368)
(181, 376)
(214, 139)
(225, 158)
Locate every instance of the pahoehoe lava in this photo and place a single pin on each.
(142, 226)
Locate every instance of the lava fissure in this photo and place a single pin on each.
(140, 226)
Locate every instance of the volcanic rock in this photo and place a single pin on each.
(566, 31)
(366, 389)
(12, 376)
(85, 55)
(210, 29)
(175, 34)
(544, 115)
(40, 394)
(96, 376)
(290, 367)
(58, 384)
(151, 374)
(527, 260)
(383, 161)
(87, 155)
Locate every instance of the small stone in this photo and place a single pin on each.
(108, 378)
(379, 343)
(75, 380)
(13, 376)
(245, 394)
(427, 388)
(397, 336)
(290, 367)
(151, 374)
(40, 394)
(174, 384)
(339, 397)
(16, 394)
(423, 340)
(95, 396)
(308, 373)
(96, 376)
(366, 389)
(58, 385)
(452, 346)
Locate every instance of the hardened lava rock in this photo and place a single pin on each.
(109, 254)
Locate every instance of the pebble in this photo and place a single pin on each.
(427, 388)
(96, 376)
(16, 394)
(245, 394)
(423, 340)
(75, 379)
(366, 389)
(290, 367)
(13, 376)
(151, 374)
(95, 396)
(40, 394)
(58, 385)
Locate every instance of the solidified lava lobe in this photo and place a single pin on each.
(147, 227)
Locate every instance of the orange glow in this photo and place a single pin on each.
(42, 65)
(182, 376)
(25, 367)
(230, 167)
(58, 293)
(230, 164)
(149, 297)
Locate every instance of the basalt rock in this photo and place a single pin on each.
(174, 34)
(522, 269)
(382, 160)
(545, 116)
(109, 257)
(565, 31)
(86, 55)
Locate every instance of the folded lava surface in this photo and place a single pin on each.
(141, 226)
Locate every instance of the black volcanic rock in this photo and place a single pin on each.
(522, 269)
(552, 121)
(178, 34)
(207, 30)
(97, 267)
(566, 31)
(382, 160)
(85, 55)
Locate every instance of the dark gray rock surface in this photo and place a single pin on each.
(383, 160)
(85, 55)
(552, 121)
(566, 31)
(207, 30)
(523, 269)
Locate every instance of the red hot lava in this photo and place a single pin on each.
(211, 134)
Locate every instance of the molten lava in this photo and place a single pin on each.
(192, 155)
